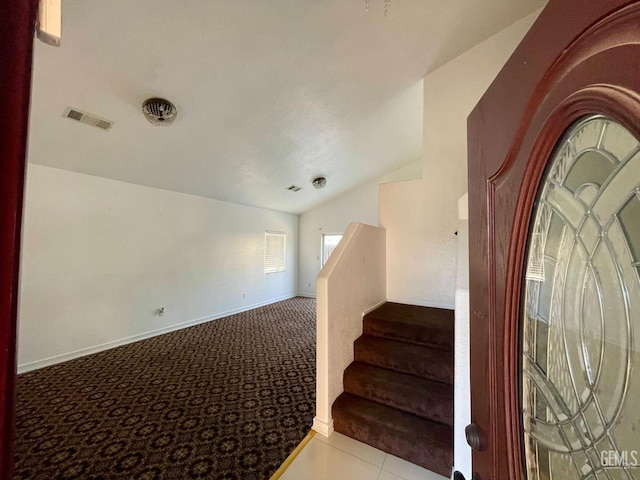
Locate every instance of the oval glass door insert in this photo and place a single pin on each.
(580, 328)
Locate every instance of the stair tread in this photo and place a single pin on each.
(419, 360)
(417, 440)
(413, 313)
(412, 323)
(420, 396)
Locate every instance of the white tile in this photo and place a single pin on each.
(357, 449)
(321, 461)
(384, 475)
(408, 471)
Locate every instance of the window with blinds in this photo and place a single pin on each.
(274, 250)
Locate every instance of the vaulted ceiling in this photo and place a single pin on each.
(269, 93)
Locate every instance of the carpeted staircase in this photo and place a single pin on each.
(398, 392)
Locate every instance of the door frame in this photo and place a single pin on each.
(560, 72)
(17, 25)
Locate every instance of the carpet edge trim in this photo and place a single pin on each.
(296, 451)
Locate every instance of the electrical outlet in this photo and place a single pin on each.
(160, 311)
(244, 295)
(309, 285)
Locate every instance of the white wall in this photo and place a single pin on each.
(357, 205)
(100, 256)
(350, 284)
(421, 216)
(462, 368)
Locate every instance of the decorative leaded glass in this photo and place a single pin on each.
(581, 310)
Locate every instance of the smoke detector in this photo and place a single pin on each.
(319, 182)
(159, 112)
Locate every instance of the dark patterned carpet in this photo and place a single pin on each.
(229, 399)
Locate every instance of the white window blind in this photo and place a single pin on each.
(274, 249)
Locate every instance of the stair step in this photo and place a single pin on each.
(411, 394)
(411, 323)
(417, 440)
(419, 360)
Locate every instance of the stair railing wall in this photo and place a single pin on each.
(351, 283)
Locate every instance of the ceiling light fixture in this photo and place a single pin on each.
(159, 112)
(49, 22)
(319, 182)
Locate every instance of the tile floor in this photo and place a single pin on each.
(342, 458)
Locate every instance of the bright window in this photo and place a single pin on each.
(329, 243)
(274, 251)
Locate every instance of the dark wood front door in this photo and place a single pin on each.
(554, 217)
(17, 22)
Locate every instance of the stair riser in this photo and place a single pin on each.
(431, 337)
(409, 323)
(428, 363)
(426, 403)
(385, 438)
(438, 462)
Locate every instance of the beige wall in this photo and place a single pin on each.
(99, 257)
(351, 283)
(421, 216)
(357, 205)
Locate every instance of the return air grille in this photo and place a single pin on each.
(87, 118)
(75, 115)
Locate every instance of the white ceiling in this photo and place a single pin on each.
(269, 93)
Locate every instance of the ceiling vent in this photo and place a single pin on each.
(87, 118)
(294, 188)
(159, 112)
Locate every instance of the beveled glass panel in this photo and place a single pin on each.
(581, 310)
(591, 168)
(630, 221)
(618, 141)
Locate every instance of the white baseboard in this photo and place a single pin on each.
(28, 367)
(306, 295)
(419, 303)
(371, 309)
(323, 428)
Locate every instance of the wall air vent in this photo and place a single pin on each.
(294, 188)
(87, 118)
